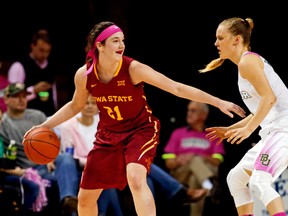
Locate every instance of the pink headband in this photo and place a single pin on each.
(107, 33)
(101, 37)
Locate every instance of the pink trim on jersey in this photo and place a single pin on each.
(249, 52)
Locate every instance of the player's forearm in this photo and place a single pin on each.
(63, 114)
(262, 111)
(196, 94)
(241, 123)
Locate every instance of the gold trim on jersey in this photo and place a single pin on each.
(119, 67)
(117, 70)
(153, 141)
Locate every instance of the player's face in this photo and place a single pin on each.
(114, 46)
(224, 42)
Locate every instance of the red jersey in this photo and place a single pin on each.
(122, 105)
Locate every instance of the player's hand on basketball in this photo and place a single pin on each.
(34, 127)
(42, 145)
(228, 108)
(216, 133)
(27, 132)
(237, 135)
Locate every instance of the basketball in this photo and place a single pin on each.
(41, 145)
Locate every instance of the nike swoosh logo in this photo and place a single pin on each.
(93, 85)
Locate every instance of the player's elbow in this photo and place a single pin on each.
(178, 89)
(271, 99)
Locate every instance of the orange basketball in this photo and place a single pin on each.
(41, 145)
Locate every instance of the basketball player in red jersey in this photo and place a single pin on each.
(127, 134)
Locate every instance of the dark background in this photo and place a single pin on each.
(174, 37)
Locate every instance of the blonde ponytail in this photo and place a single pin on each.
(212, 65)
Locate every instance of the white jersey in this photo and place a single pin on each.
(252, 99)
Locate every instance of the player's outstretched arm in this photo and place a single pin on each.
(142, 73)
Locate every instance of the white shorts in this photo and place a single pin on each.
(270, 154)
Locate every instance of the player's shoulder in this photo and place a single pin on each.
(82, 70)
(136, 65)
(80, 75)
(247, 56)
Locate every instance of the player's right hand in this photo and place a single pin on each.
(32, 128)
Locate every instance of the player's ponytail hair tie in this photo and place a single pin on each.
(101, 37)
(247, 24)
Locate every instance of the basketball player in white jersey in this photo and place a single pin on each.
(266, 97)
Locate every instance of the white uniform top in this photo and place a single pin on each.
(252, 99)
(270, 154)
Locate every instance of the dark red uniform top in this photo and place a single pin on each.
(122, 105)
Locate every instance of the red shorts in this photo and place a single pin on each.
(112, 151)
